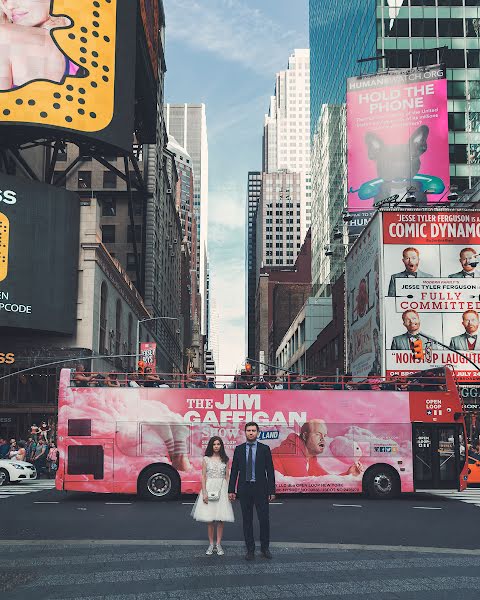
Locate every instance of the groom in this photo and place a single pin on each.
(252, 466)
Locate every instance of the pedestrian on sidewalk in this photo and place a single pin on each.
(40, 457)
(52, 460)
(21, 452)
(212, 505)
(30, 449)
(252, 480)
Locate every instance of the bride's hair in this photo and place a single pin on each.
(209, 448)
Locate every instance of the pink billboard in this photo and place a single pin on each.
(317, 445)
(397, 128)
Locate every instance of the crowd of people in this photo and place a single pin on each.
(429, 381)
(39, 449)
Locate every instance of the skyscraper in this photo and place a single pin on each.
(278, 221)
(340, 34)
(329, 183)
(253, 198)
(406, 32)
(187, 123)
(286, 132)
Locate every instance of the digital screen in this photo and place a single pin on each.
(39, 235)
(69, 64)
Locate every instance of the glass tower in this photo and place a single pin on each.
(407, 31)
(341, 32)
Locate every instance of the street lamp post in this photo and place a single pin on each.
(137, 352)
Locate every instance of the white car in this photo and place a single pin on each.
(16, 470)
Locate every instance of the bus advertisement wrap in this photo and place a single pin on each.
(363, 304)
(61, 67)
(410, 109)
(432, 290)
(317, 445)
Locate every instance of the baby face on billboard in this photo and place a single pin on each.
(31, 13)
(33, 54)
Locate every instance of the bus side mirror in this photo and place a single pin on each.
(457, 415)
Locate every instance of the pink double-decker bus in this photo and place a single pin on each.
(382, 438)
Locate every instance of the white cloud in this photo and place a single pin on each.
(230, 298)
(227, 206)
(232, 30)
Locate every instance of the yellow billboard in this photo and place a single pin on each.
(68, 64)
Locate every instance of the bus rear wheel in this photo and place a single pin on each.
(159, 482)
(382, 483)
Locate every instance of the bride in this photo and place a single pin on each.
(212, 505)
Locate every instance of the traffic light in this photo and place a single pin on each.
(417, 348)
(248, 367)
(141, 367)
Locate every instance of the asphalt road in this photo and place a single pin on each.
(57, 545)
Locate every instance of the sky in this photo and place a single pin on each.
(225, 53)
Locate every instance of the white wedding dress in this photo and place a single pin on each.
(221, 509)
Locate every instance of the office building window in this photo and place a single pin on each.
(109, 207)
(130, 261)
(109, 180)
(84, 180)
(108, 234)
(138, 234)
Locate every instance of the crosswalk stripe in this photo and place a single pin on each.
(23, 488)
(468, 496)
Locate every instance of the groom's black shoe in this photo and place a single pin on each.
(266, 553)
(250, 555)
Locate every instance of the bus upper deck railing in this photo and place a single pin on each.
(432, 380)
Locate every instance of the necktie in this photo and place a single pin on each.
(472, 338)
(411, 274)
(468, 275)
(250, 463)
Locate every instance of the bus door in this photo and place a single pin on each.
(90, 460)
(439, 455)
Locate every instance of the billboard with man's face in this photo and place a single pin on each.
(38, 256)
(69, 65)
(397, 126)
(431, 282)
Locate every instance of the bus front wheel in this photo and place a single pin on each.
(382, 482)
(159, 482)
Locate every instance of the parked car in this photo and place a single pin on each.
(16, 470)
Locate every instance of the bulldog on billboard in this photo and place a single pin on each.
(397, 127)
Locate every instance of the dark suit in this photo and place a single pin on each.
(463, 274)
(405, 274)
(253, 494)
(402, 342)
(460, 342)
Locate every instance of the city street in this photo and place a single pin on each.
(58, 545)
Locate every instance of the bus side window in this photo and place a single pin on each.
(85, 460)
(80, 427)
